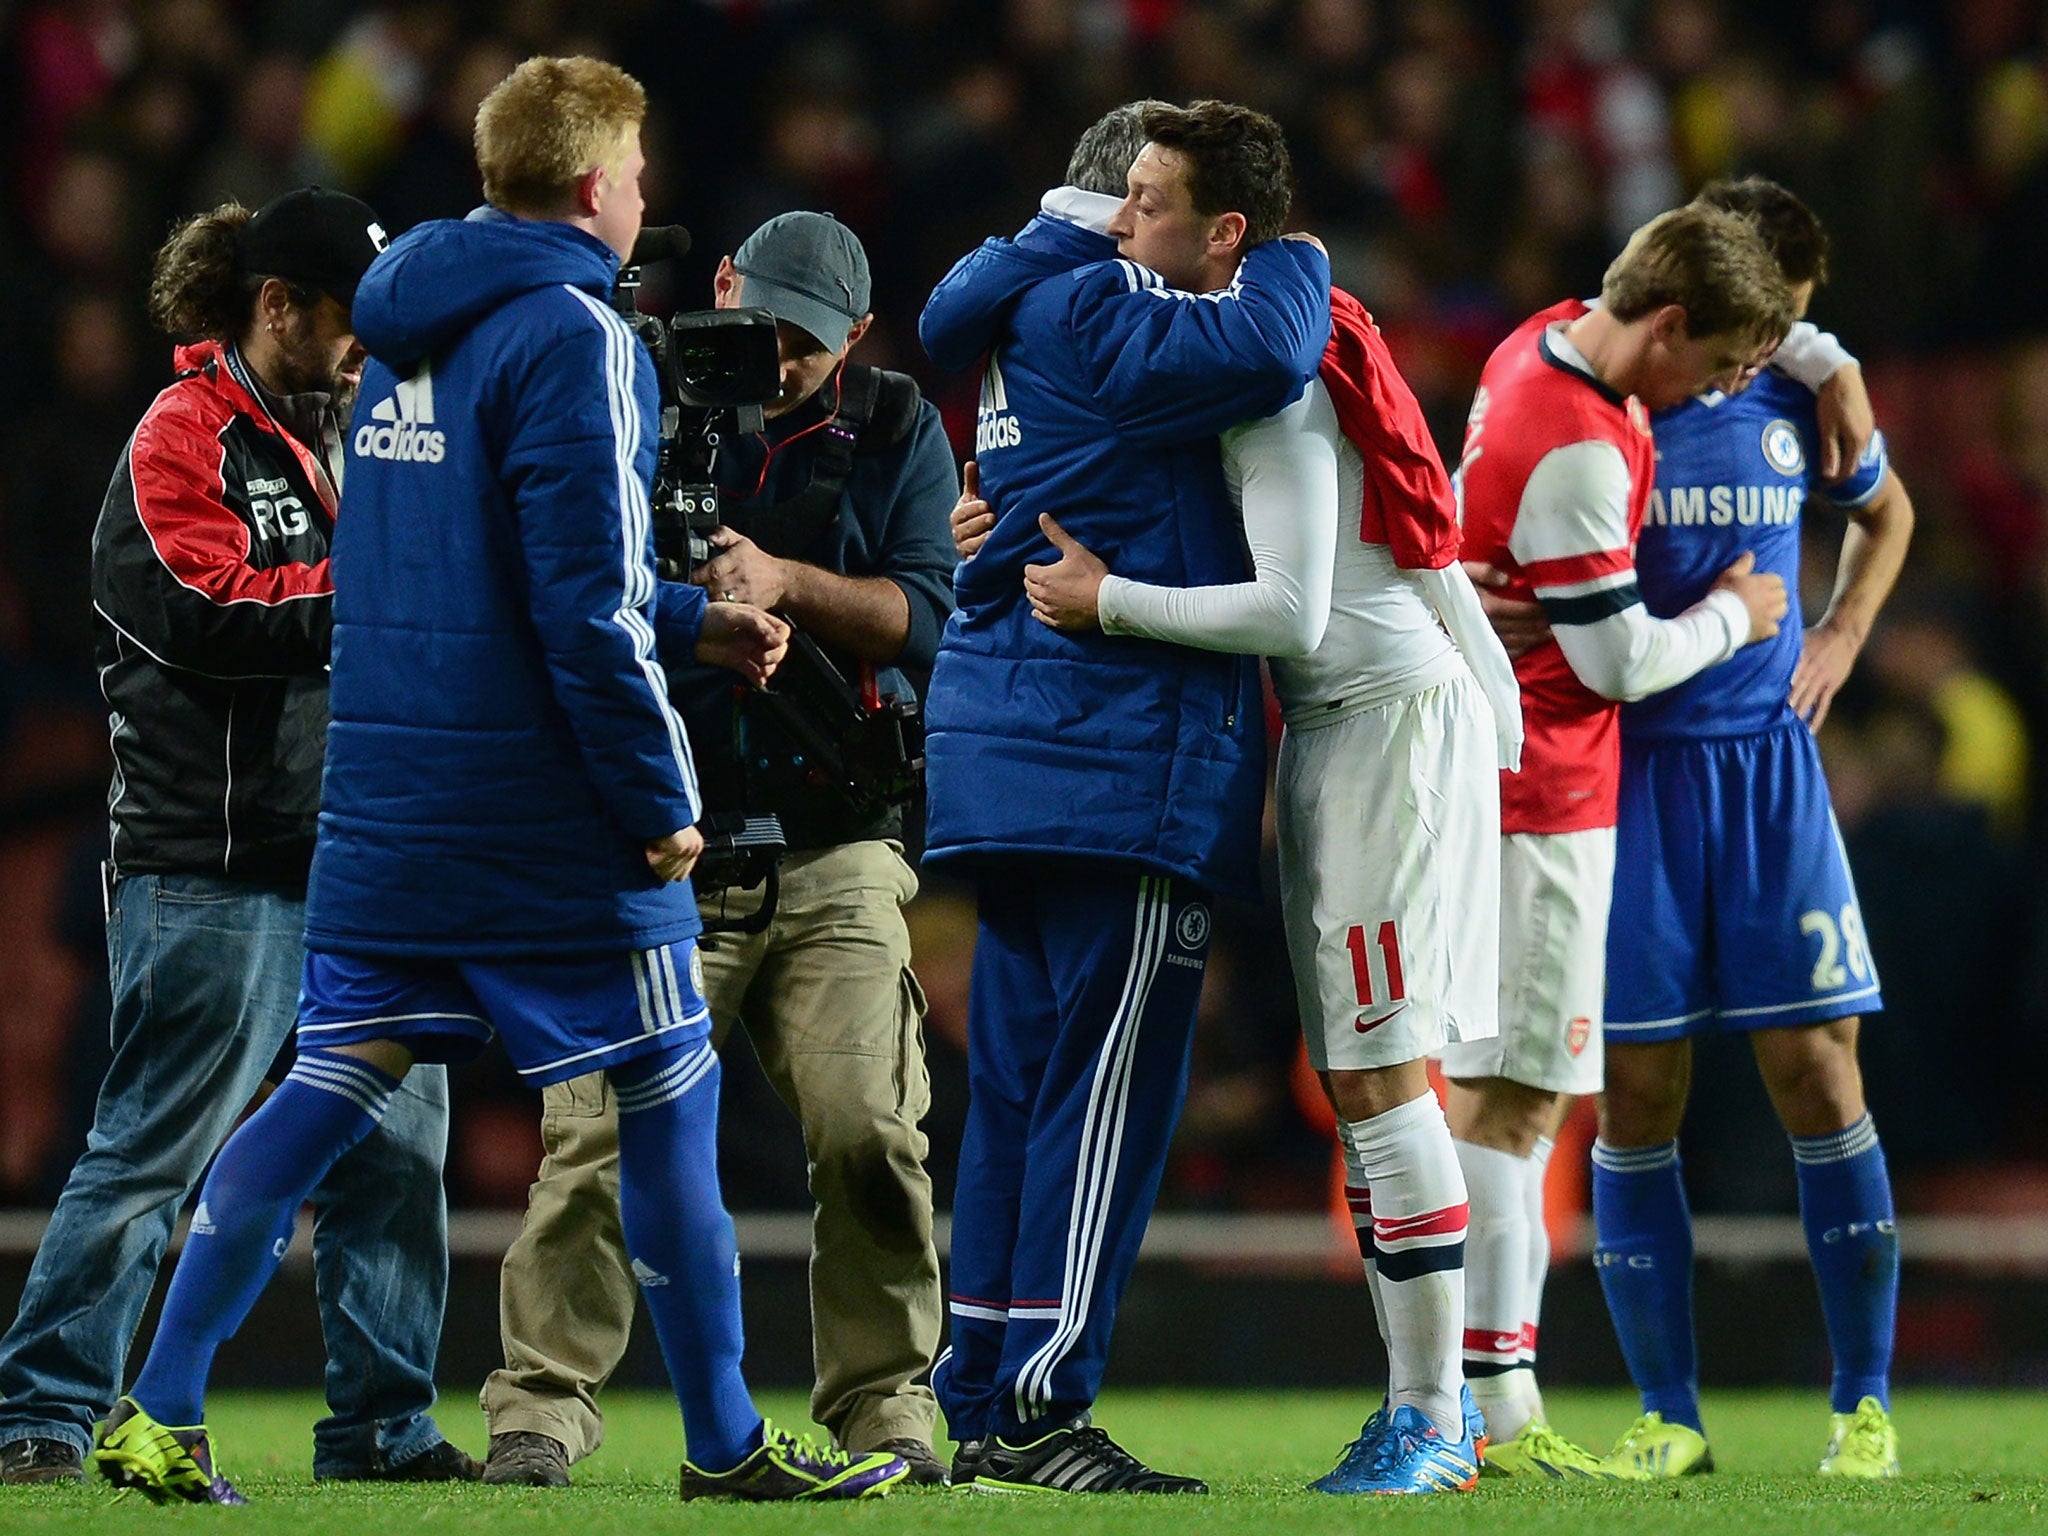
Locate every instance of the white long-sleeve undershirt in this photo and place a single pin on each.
(1341, 621)
(1809, 355)
(1629, 655)
(1456, 600)
(1575, 505)
(1290, 525)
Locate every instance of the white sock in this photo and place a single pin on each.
(1496, 1283)
(1418, 1223)
(1358, 1195)
(1538, 1166)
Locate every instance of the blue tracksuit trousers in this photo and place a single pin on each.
(1086, 980)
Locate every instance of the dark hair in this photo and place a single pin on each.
(1103, 154)
(1791, 229)
(1236, 162)
(196, 290)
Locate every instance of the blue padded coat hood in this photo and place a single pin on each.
(440, 278)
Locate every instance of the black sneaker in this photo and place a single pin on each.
(1074, 1458)
(524, 1459)
(441, 1462)
(926, 1470)
(967, 1462)
(41, 1461)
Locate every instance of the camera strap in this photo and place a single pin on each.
(875, 409)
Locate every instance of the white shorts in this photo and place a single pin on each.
(1389, 823)
(1555, 889)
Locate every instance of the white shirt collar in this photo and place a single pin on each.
(1090, 210)
(1562, 349)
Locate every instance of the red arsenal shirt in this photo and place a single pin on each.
(1553, 482)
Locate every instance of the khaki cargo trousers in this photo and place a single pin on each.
(828, 1000)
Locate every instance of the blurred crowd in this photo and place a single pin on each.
(1467, 162)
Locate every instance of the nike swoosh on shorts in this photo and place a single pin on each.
(1365, 1028)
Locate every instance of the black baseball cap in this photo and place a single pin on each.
(808, 269)
(315, 238)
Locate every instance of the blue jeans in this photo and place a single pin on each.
(205, 976)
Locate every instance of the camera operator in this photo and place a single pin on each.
(836, 516)
(211, 579)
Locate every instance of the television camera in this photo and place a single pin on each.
(717, 369)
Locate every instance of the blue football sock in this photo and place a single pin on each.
(243, 1223)
(1643, 1252)
(681, 1243)
(1845, 1201)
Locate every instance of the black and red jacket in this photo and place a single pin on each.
(210, 577)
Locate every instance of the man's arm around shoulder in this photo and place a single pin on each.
(1573, 540)
(1174, 367)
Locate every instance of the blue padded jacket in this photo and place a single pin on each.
(1103, 395)
(502, 745)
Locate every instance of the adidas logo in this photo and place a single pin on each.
(995, 427)
(648, 1276)
(202, 1221)
(408, 416)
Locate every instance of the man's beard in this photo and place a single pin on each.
(309, 373)
(302, 370)
(304, 367)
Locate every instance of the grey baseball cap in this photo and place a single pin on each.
(808, 269)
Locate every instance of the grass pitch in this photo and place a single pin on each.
(1974, 1463)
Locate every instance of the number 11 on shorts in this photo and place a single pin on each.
(1388, 943)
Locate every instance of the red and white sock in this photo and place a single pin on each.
(1358, 1195)
(1536, 1166)
(1419, 1215)
(1496, 1289)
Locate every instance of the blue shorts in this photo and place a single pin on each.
(559, 1018)
(1733, 905)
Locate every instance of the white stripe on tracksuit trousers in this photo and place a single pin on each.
(1101, 1141)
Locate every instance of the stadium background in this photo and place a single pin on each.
(1467, 161)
